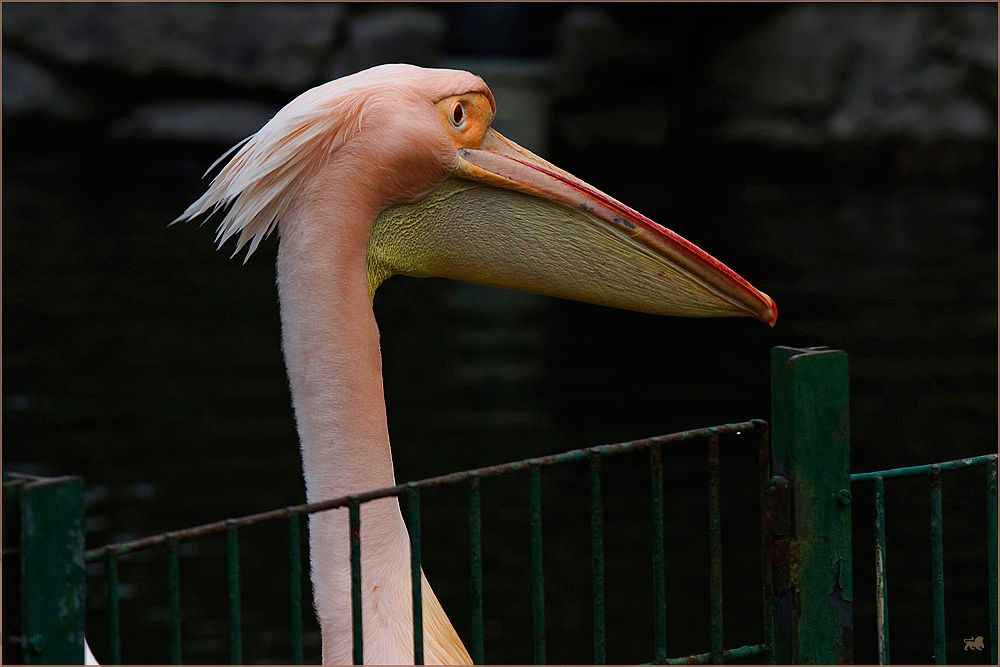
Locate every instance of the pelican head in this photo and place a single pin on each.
(447, 195)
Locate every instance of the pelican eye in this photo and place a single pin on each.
(457, 115)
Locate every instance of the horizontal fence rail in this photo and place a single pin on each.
(410, 491)
(933, 473)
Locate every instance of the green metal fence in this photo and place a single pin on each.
(43, 573)
(805, 494)
(806, 517)
(933, 473)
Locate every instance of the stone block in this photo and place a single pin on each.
(863, 72)
(29, 88)
(390, 34)
(276, 45)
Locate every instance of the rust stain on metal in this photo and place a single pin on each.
(843, 431)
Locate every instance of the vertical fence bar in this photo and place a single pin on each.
(812, 563)
(11, 630)
(937, 567)
(233, 571)
(715, 546)
(537, 576)
(413, 503)
(881, 585)
(659, 560)
(295, 584)
(991, 532)
(53, 582)
(476, 565)
(174, 600)
(114, 619)
(767, 533)
(354, 517)
(597, 554)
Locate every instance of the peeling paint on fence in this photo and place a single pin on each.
(809, 507)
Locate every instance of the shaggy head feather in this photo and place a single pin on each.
(269, 167)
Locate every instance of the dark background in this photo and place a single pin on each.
(839, 157)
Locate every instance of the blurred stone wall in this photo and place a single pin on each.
(799, 75)
(822, 72)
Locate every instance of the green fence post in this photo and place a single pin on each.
(811, 563)
(53, 585)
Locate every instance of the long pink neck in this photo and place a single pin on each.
(331, 348)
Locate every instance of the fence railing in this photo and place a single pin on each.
(933, 473)
(471, 479)
(805, 495)
(170, 542)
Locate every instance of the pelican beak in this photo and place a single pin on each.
(508, 218)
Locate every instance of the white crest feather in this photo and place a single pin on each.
(261, 179)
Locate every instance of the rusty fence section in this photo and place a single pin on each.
(806, 518)
(471, 479)
(533, 469)
(933, 473)
(805, 497)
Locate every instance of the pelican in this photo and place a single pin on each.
(396, 170)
